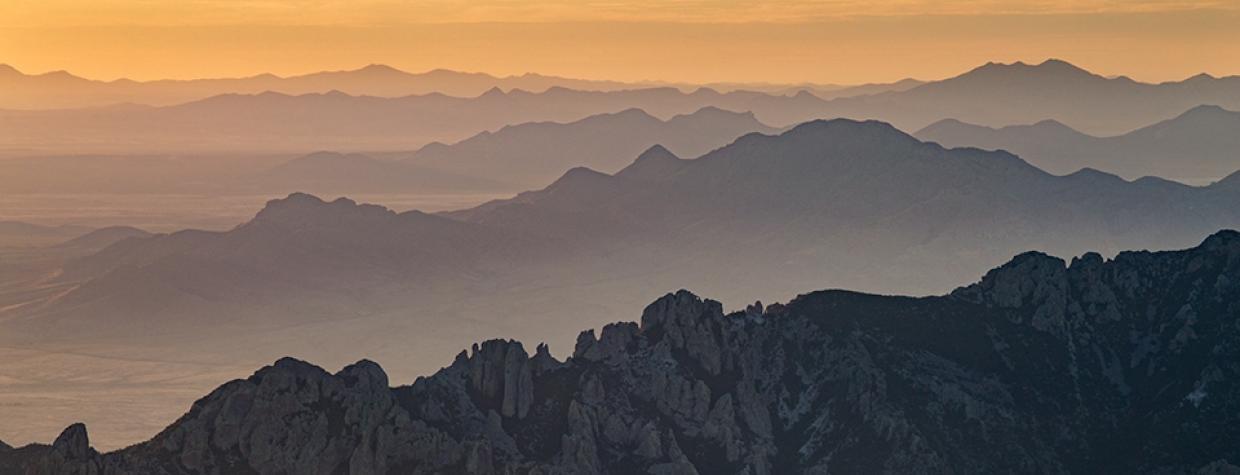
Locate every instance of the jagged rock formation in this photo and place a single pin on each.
(70, 454)
(1121, 366)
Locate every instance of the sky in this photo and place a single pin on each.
(821, 41)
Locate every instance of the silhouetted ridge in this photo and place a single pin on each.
(1053, 125)
(1053, 360)
(303, 208)
(1195, 145)
(842, 130)
(1226, 241)
(712, 112)
(1051, 68)
(1230, 182)
(104, 237)
(380, 69)
(494, 92)
(579, 179)
(657, 161)
(1206, 115)
(1094, 175)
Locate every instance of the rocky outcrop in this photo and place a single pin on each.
(70, 454)
(1127, 365)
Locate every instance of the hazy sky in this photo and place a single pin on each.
(840, 41)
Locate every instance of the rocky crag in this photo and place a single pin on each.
(1128, 365)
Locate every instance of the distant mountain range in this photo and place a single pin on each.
(1097, 366)
(534, 154)
(1200, 145)
(992, 95)
(62, 90)
(1005, 94)
(273, 122)
(841, 190)
(511, 159)
(103, 237)
(826, 203)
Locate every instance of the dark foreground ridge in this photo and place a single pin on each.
(1122, 366)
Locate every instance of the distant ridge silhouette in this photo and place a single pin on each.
(1201, 145)
(992, 95)
(61, 89)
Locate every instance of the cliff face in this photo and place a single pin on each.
(1121, 366)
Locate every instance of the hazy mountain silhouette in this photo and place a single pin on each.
(828, 202)
(511, 159)
(103, 237)
(60, 89)
(63, 90)
(295, 254)
(1004, 94)
(860, 196)
(992, 95)
(534, 154)
(1097, 366)
(1202, 144)
(338, 121)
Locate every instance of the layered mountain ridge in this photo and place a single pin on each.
(1094, 366)
(1199, 145)
(992, 95)
(61, 89)
(829, 202)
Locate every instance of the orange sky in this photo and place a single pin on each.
(827, 41)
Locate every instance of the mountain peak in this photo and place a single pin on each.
(657, 152)
(1051, 123)
(577, 179)
(304, 208)
(1059, 64)
(73, 442)
(1028, 278)
(1095, 175)
(845, 130)
(632, 112)
(1053, 126)
(1207, 110)
(7, 70)
(1049, 68)
(656, 162)
(713, 111)
(366, 373)
(376, 68)
(1227, 239)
